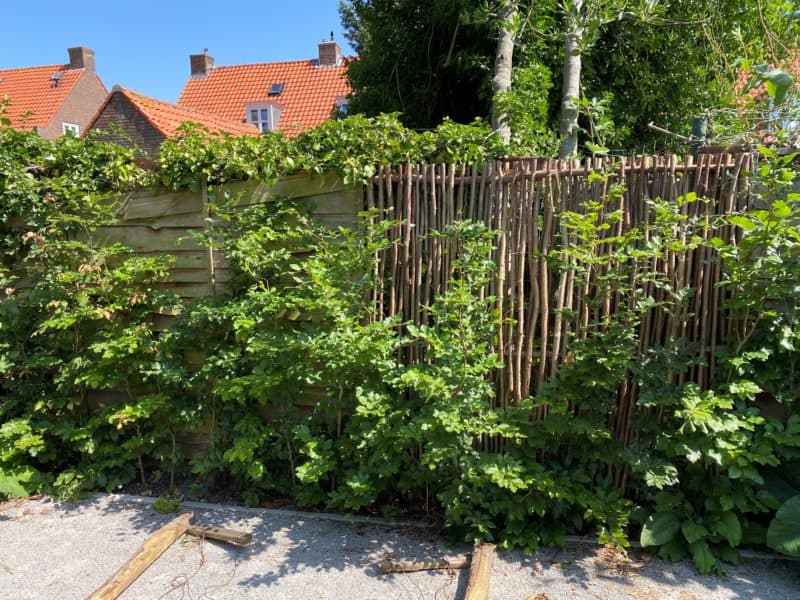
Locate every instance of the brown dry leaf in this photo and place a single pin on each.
(32, 235)
(103, 313)
(137, 298)
(613, 562)
(538, 597)
(88, 268)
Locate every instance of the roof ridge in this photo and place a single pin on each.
(279, 62)
(258, 64)
(58, 67)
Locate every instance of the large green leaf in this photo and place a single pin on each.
(727, 525)
(703, 559)
(783, 534)
(778, 82)
(693, 531)
(659, 529)
(10, 487)
(673, 551)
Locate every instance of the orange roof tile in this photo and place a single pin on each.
(166, 117)
(308, 97)
(30, 90)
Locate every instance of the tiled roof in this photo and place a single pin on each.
(166, 117)
(791, 66)
(30, 89)
(308, 97)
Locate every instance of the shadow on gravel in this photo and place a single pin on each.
(292, 544)
(285, 544)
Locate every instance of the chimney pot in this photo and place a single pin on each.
(81, 57)
(201, 64)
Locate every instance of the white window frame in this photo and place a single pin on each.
(74, 128)
(341, 105)
(256, 109)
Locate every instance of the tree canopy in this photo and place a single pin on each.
(642, 61)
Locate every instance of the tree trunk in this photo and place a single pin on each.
(501, 82)
(572, 81)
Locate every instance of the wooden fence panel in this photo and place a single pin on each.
(522, 199)
(156, 222)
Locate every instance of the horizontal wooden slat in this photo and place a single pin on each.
(189, 290)
(188, 276)
(145, 239)
(223, 275)
(345, 202)
(182, 220)
(339, 220)
(293, 186)
(190, 259)
(145, 205)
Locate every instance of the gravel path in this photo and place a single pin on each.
(66, 551)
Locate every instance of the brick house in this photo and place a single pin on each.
(128, 118)
(288, 97)
(54, 99)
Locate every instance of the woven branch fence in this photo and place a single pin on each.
(544, 307)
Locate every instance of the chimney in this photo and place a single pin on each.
(201, 64)
(81, 58)
(330, 55)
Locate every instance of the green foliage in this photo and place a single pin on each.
(165, 505)
(723, 455)
(82, 325)
(422, 59)
(783, 534)
(526, 104)
(10, 486)
(308, 392)
(353, 148)
(653, 61)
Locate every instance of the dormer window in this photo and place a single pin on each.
(265, 116)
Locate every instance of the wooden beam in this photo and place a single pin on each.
(391, 565)
(479, 572)
(150, 550)
(230, 536)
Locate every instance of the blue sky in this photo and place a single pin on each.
(145, 45)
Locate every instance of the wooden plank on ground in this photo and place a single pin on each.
(151, 549)
(230, 536)
(479, 572)
(391, 565)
